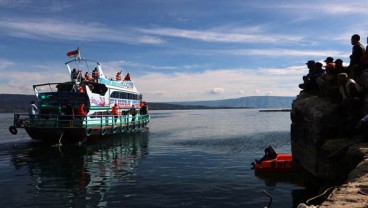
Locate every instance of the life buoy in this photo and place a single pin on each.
(129, 127)
(13, 130)
(89, 132)
(103, 131)
(122, 127)
(114, 129)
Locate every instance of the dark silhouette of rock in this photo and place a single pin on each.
(326, 145)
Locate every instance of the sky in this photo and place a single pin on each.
(178, 50)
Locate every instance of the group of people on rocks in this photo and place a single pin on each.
(347, 83)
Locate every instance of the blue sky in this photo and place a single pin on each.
(178, 50)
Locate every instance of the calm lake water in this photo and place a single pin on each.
(188, 158)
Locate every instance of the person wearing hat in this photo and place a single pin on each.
(357, 51)
(327, 83)
(311, 77)
(329, 60)
(340, 68)
(310, 65)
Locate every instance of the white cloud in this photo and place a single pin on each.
(318, 8)
(53, 29)
(161, 87)
(4, 64)
(277, 52)
(30, 5)
(217, 90)
(188, 87)
(240, 36)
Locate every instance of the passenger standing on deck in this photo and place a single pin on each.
(87, 77)
(118, 76)
(81, 109)
(144, 109)
(133, 112)
(33, 110)
(95, 75)
(357, 51)
(74, 75)
(115, 112)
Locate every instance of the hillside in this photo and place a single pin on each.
(14, 103)
(248, 102)
(18, 103)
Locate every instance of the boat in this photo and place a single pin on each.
(82, 108)
(273, 161)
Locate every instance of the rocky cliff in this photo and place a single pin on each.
(326, 144)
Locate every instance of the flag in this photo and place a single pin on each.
(72, 54)
(127, 77)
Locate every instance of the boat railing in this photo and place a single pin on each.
(77, 121)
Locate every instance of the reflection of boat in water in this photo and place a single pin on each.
(79, 173)
(272, 178)
(273, 161)
(83, 107)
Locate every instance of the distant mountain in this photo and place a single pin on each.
(15, 103)
(246, 102)
(169, 106)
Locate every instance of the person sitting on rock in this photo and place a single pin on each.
(349, 91)
(364, 58)
(315, 71)
(340, 68)
(329, 60)
(360, 76)
(327, 83)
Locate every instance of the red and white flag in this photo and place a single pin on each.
(72, 54)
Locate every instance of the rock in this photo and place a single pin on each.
(325, 144)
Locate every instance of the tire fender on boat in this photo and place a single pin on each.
(103, 131)
(13, 130)
(89, 132)
(114, 129)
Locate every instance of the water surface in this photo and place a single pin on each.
(187, 158)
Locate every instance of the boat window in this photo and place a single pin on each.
(124, 95)
(115, 95)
